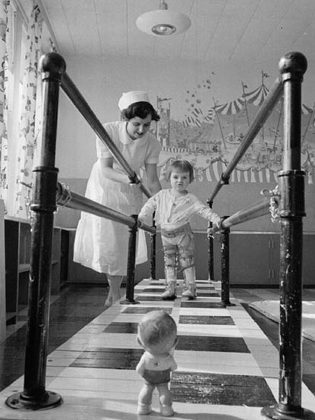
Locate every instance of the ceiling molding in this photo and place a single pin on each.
(21, 8)
(46, 20)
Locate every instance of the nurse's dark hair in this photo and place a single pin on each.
(183, 166)
(141, 110)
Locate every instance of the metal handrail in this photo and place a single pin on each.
(80, 103)
(254, 211)
(261, 116)
(67, 198)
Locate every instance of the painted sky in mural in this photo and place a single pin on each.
(208, 136)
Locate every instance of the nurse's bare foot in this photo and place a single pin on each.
(108, 302)
(111, 299)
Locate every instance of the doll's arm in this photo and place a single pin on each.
(173, 365)
(140, 367)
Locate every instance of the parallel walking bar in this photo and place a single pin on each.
(291, 181)
(225, 267)
(268, 205)
(83, 107)
(72, 200)
(69, 199)
(262, 115)
(291, 211)
(210, 252)
(254, 211)
(34, 395)
(153, 252)
(45, 191)
(78, 100)
(131, 262)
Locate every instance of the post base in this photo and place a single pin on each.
(276, 413)
(129, 302)
(228, 303)
(220, 304)
(22, 402)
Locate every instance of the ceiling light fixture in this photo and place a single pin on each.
(163, 22)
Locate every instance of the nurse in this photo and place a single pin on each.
(102, 244)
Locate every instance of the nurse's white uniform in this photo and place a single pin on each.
(102, 244)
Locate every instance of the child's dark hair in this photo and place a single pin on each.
(183, 166)
(141, 110)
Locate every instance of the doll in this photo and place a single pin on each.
(157, 334)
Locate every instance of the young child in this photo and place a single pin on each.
(173, 208)
(157, 334)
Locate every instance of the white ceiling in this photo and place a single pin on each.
(251, 31)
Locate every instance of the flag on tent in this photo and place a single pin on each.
(307, 109)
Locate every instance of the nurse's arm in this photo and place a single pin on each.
(110, 173)
(152, 178)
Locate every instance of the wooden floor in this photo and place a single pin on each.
(227, 357)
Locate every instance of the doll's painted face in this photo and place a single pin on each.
(137, 127)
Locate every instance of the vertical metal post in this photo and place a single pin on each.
(291, 182)
(210, 251)
(131, 264)
(34, 395)
(153, 252)
(225, 266)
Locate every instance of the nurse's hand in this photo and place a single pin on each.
(134, 180)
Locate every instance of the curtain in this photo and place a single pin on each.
(5, 33)
(30, 123)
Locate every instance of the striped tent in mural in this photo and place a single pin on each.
(231, 107)
(197, 116)
(216, 133)
(257, 96)
(213, 174)
(209, 169)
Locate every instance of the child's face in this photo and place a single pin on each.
(179, 180)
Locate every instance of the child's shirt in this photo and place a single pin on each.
(172, 212)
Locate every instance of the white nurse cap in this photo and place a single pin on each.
(128, 98)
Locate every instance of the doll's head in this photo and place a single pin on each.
(182, 166)
(157, 333)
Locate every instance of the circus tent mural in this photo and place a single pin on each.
(210, 133)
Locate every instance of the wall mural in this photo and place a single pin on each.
(209, 136)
